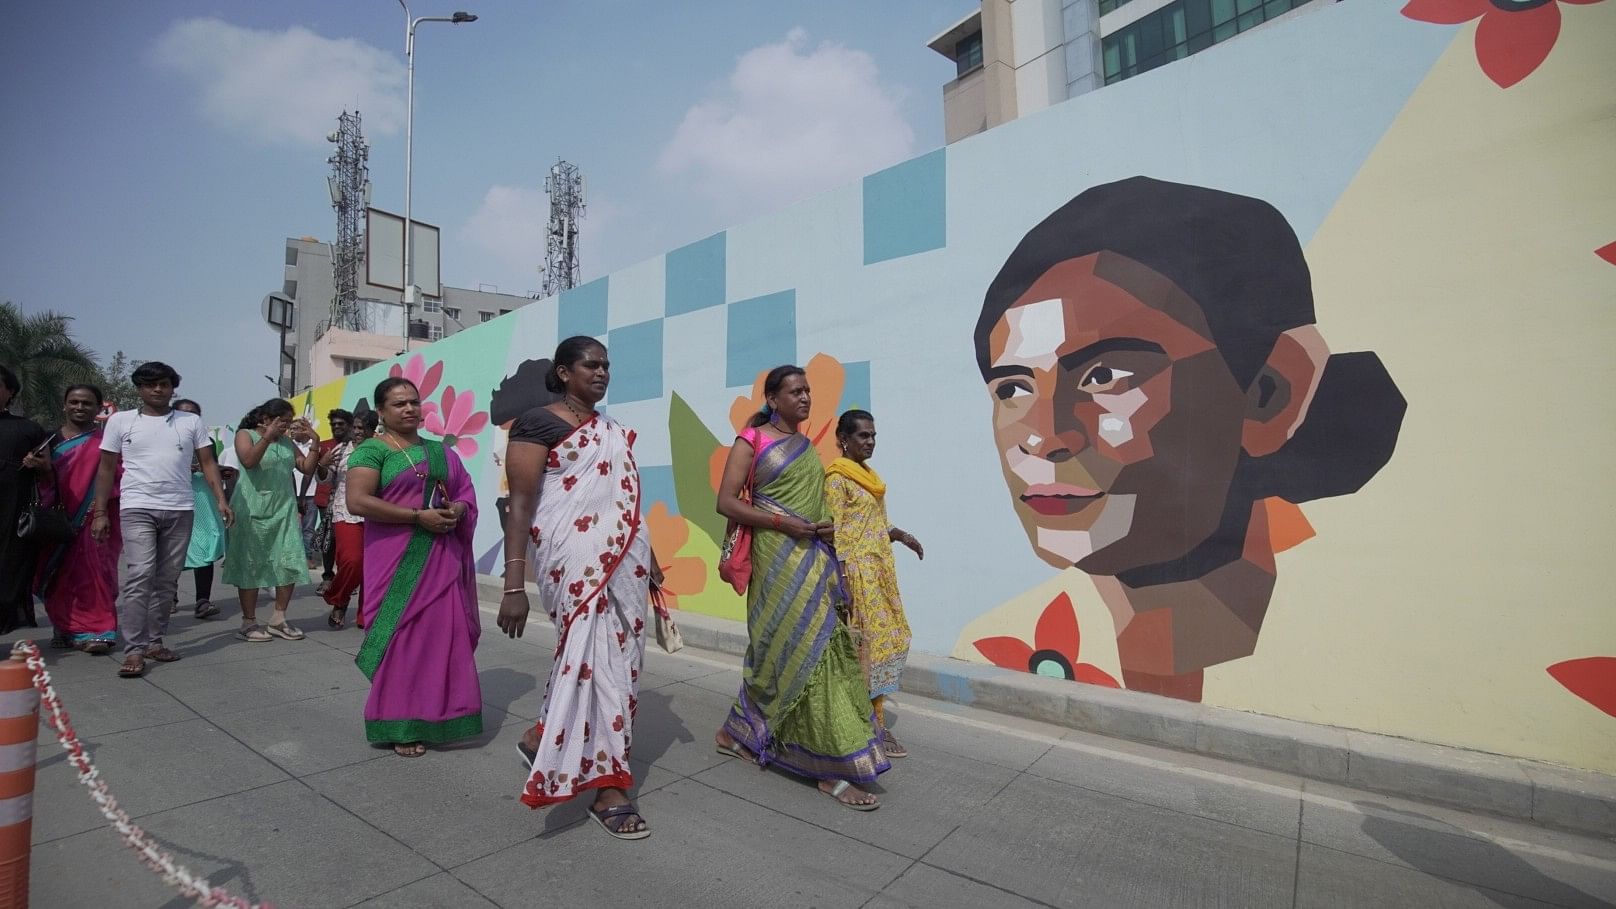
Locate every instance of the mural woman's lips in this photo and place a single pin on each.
(1058, 498)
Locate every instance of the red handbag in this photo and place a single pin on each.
(735, 556)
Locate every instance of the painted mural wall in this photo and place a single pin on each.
(1277, 378)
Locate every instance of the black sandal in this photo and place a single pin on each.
(335, 619)
(621, 814)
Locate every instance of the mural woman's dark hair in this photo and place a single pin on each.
(84, 386)
(771, 385)
(269, 410)
(567, 354)
(1239, 260)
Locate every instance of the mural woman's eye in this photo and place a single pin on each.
(1101, 379)
(1011, 390)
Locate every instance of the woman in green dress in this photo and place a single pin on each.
(265, 547)
(804, 704)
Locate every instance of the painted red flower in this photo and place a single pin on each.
(1607, 252)
(1591, 678)
(458, 422)
(1513, 38)
(1053, 651)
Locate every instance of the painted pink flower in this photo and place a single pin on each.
(426, 379)
(1513, 38)
(455, 418)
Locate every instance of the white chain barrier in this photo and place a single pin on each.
(151, 853)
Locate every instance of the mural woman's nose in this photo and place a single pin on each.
(1051, 442)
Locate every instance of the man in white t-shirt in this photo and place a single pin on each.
(156, 445)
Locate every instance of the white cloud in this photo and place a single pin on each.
(788, 122)
(509, 226)
(283, 86)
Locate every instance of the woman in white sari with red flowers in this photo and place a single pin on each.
(575, 529)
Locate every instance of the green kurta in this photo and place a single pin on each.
(265, 547)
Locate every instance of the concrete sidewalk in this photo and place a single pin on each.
(248, 762)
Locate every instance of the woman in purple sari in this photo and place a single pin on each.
(78, 580)
(420, 590)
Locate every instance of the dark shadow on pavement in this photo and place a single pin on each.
(1446, 852)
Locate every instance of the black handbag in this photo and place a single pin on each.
(42, 525)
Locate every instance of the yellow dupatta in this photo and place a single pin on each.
(858, 473)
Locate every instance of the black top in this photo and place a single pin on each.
(541, 427)
(18, 436)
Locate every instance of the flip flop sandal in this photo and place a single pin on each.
(162, 655)
(61, 642)
(284, 630)
(206, 610)
(96, 648)
(622, 811)
(735, 751)
(841, 787)
(409, 749)
(254, 634)
(529, 758)
(134, 666)
(891, 747)
(335, 618)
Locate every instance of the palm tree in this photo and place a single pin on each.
(40, 348)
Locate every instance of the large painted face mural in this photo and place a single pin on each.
(1160, 395)
(1249, 430)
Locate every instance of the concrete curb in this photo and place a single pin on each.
(1548, 794)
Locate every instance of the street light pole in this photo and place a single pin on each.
(409, 152)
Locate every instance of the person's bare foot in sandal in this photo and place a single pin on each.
(726, 744)
(409, 749)
(613, 811)
(849, 795)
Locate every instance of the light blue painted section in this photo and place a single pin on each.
(636, 354)
(856, 387)
(656, 484)
(762, 335)
(695, 276)
(906, 208)
(583, 309)
(955, 688)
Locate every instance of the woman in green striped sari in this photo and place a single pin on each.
(803, 705)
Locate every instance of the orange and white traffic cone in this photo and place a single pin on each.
(19, 729)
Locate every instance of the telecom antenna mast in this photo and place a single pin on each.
(350, 195)
(566, 188)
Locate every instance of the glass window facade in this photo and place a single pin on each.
(1180, 29)
(968, 54)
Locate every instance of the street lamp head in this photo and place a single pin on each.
(462, 16)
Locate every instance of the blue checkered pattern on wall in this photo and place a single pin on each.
(906, 208)
(695, 276)
(762, 335)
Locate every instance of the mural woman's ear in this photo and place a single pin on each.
(1278, 398)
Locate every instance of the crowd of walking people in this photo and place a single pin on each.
(109, 512)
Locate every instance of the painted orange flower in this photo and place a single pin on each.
(1513, 38)
(1053, 651)
(680, 574)
(1591, 678)
(826, 378)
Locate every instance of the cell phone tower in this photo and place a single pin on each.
(350, 196)
(566, 188)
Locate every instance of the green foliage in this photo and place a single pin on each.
(39, 347)
(114, 382)
(693, 445)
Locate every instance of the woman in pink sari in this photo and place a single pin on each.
(78, 580)
(575, 518)
(420, 590)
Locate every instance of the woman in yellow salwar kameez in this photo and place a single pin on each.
(856, 499)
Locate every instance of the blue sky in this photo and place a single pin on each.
(157, 154)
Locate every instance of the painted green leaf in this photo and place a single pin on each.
(693, 444)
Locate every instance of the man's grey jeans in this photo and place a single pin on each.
(154, 544)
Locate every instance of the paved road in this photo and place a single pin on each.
(248, 761)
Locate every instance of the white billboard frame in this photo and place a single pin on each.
(384, 253)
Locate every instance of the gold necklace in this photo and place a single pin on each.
(406, 454)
